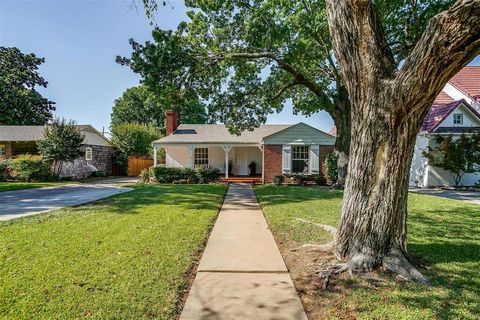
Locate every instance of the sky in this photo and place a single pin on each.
(80, 40)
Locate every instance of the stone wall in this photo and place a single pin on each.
(81, 168)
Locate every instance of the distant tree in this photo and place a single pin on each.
(458, 156)
(20, 102)
(134, 139)
(331, 168)
(141, 105)
(62, 142)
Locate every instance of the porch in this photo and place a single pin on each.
(234, 161)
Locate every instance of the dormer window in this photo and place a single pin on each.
(458, 118)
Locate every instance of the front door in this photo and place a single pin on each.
(243, 157)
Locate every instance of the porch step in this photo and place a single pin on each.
(250, 180)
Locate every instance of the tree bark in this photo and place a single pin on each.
(388, 109)
(342, 119)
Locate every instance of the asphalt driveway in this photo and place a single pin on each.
(467, 196)
(20, 203)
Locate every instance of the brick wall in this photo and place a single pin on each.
(171, 121)
(273, 160)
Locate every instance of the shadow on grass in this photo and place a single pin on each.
(192, 197)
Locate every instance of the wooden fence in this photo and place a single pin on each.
(136, 165)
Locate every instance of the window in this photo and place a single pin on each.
(300, 156)
(458, 118)
(200, 158)
(2, 150)
(88, 153)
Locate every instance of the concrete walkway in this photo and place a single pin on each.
(21, 203)
(467, 196)
(241, 274)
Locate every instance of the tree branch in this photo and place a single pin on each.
(282, 90)
(450, 41)
(299, 78)
(357, 35)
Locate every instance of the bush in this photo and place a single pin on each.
(5, 169)
(477, 184)
(29, 168)
(331, 167)
(299, 178)
(320, 181)
(144, 176)
(98, 174)
(278, 180)
(169, 175)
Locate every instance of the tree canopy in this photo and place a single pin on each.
(20, 102)
(62, 142)
(140, 105)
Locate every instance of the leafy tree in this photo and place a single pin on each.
(331, 168)
(133, 139)
(389, 104)
(62, 142)
(141, 105)
(458, 156)
(250, 58)
(20, 102)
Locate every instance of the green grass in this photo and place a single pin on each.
(444, 233)
(120, 258)
(11, 186)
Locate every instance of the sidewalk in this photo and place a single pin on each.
(242, 274)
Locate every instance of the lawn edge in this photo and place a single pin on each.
(190, 274)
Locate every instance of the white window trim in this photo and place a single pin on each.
(88, 153)
(460, 117)
(307, 159)
(207, 158)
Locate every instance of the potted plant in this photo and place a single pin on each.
(253, 168)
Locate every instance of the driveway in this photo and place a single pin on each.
(21, 203)
(467, 196)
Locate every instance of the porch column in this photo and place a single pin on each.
(227, 150)
(155, 155)
(191, 149)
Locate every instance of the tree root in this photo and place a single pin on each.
(326, 227)
(395, 262)
(328, 247)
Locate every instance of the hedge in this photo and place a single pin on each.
(172, 175)
(24, 168)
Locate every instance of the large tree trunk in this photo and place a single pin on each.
(342, 119)
(388, 108)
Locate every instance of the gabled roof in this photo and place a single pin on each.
(35, 133)
(468, 81)
(439, 112)
(218, 134)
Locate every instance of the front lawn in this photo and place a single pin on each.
(125, 257)
(444, 233)
(11, 186)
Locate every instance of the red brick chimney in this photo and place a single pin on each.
(172, 121)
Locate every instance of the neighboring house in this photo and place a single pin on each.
(276, 149)
(97, 151)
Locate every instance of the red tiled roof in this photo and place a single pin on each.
(333, 131)
(468, 81)
(443, 98)
(439, 112)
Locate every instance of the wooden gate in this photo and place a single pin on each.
(136, 165)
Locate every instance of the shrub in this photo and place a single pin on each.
(320, 181)
(144, 176)
(477, 184)
(98, 174)
(5, 169)
(169, 175)
(278, 180)
(299, 178)
(331, 167)
(29, 168)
